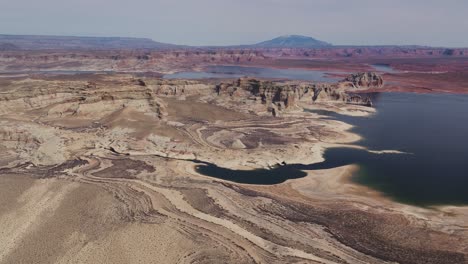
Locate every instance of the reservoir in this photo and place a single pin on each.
(229, 72)
(431, 128)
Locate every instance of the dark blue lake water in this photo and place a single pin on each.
(432, 127)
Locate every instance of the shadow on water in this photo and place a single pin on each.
(335, 157)
(433, 128)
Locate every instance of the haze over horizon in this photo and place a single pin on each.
(228, 22)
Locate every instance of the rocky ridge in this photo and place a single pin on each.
(364, 80)
(13, 60)
(280, 96)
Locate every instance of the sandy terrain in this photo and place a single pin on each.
(101, 169)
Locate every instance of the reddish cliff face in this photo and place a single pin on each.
(415, 69)
(177, 60)
(137, 61)
(365, 52)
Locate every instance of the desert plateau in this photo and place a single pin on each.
(293, 150)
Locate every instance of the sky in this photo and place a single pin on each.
(232, 22)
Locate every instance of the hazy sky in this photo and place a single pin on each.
(223, 22)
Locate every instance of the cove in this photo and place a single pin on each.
(433, 128)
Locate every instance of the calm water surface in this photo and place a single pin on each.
(226, 72)
(432, 128)
(383, 68)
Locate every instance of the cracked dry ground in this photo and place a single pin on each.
(99, 169)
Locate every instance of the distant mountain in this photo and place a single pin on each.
(36, 42)
(292, 41)
(8, 46)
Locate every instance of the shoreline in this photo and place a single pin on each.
(117, 188)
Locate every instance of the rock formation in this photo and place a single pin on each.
(365, 80)
(280, 96)
(105, 168)
(283, 95)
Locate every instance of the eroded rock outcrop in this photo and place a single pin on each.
(281, 96)
(276, 96)
(96, 98)
(365, 80)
